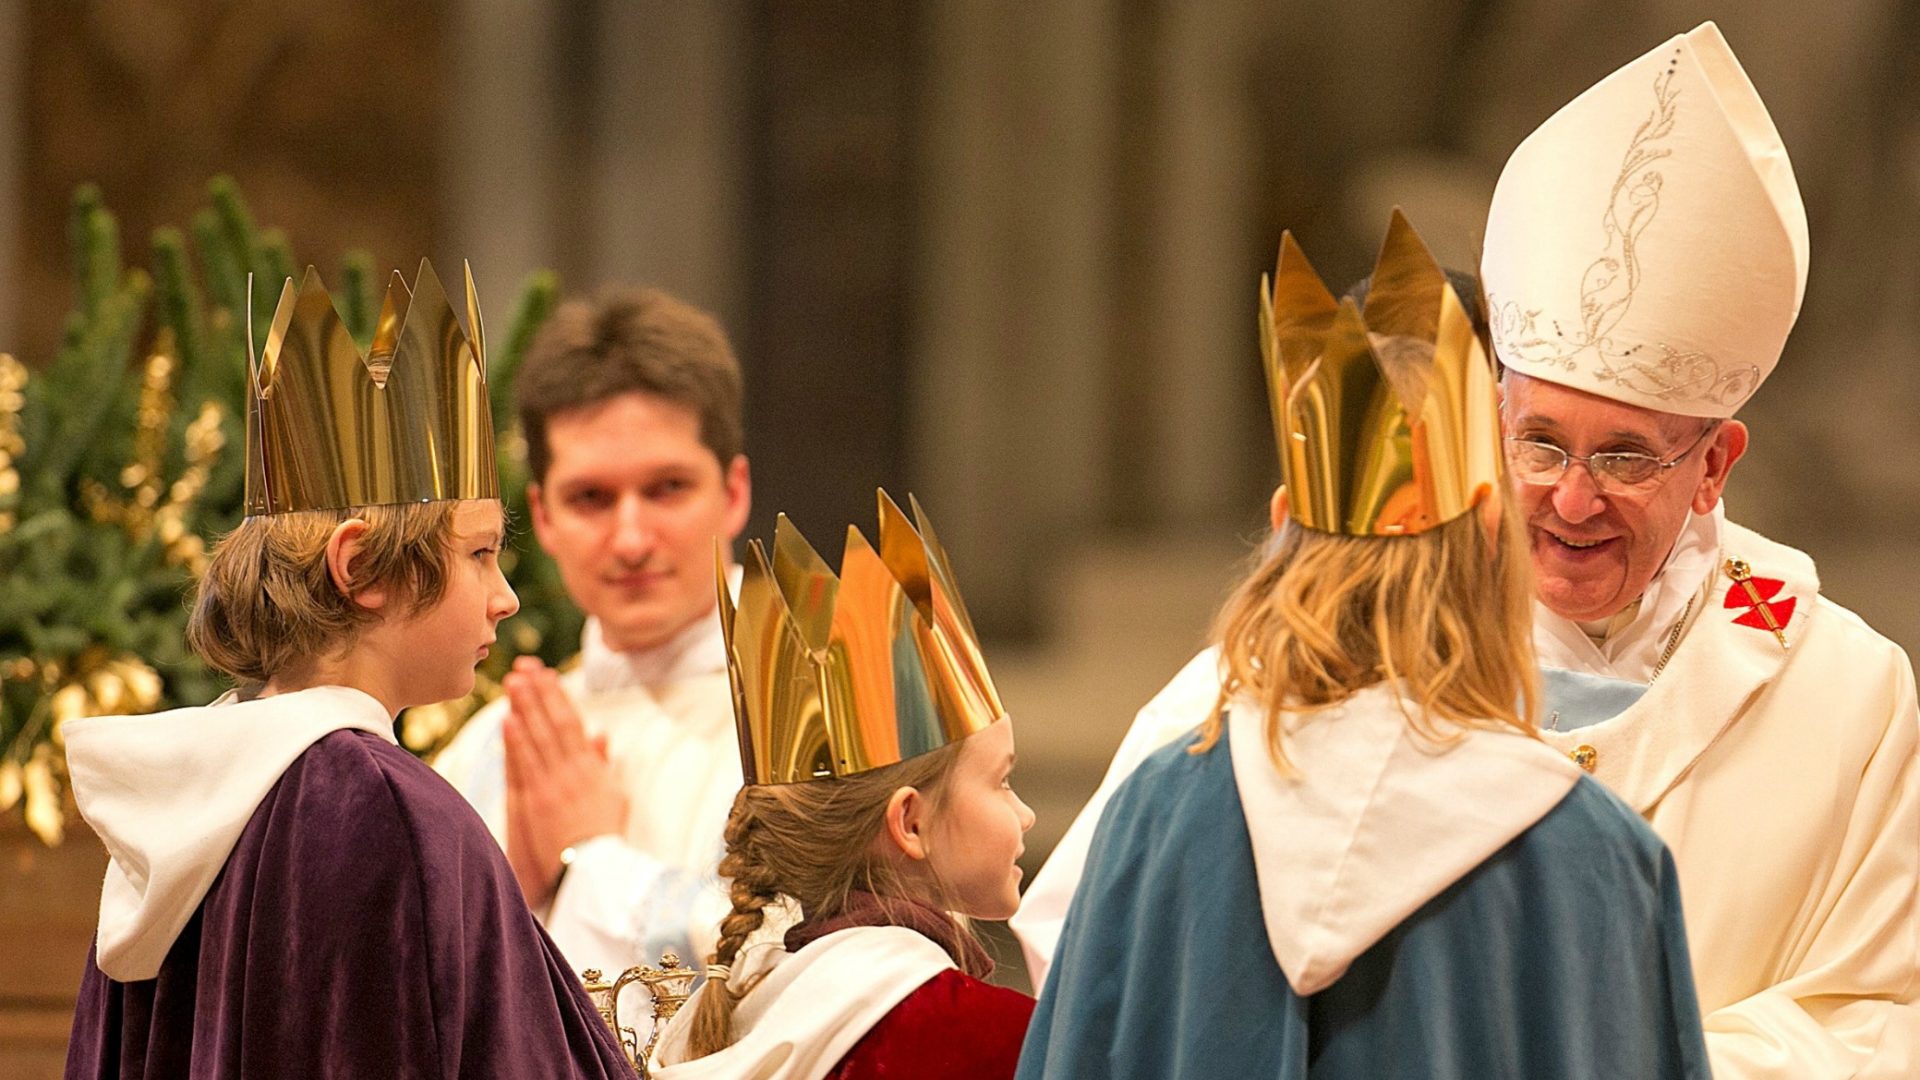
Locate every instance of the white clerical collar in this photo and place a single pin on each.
(698, 649)
(1632, 647)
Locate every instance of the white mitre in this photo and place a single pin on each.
(1648, 243)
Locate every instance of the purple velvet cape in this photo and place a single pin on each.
(365, 925)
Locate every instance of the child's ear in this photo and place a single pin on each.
(342, 548)
(906, 823)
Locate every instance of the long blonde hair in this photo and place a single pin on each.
(1446, 612)
(813, 842)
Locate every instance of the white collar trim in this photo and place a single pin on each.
(697, 649)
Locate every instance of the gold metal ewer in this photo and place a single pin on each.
(669, 985)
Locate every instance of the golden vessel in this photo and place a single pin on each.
(669, 986)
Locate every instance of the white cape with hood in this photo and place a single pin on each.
(808, 1008)
(1430, 904)
(1378, 821)
(170, 794)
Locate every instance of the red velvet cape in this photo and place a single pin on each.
(953, 1028)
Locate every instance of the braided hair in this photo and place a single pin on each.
(812, 842)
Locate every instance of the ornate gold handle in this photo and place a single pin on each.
(669, 986)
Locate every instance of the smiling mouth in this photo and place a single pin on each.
(1573, 544)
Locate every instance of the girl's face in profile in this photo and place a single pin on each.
(976, 838)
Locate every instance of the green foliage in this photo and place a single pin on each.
(122, 460)
(356, 296)
(548, 624)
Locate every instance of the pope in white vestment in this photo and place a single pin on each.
(667, 715)
(1783, 780)
(1646, 255)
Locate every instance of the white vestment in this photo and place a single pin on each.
(805, 1010)
(668, 717)
(1784, 780)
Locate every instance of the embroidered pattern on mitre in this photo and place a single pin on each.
(1673, 169)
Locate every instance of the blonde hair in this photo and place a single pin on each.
(1446, 612)
(268, 606)
(812, 842)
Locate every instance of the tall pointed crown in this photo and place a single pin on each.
(329, 427)
(834, 676)
(1386, 416)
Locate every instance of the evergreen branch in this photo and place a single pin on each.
(95, 236)
(176, 299)
(537, 298)
(105, 349)
(272, 264)
(275, 256)
(224, 271)
(235, 220)
(356, 288)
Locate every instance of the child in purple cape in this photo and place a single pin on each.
(291, 893)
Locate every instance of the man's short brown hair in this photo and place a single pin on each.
(630, 341)
(267, 605)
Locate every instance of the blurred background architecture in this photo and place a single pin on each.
(1000, 254)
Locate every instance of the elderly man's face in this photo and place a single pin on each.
(1594, 552)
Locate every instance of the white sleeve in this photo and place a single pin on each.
(475, 763)
(618, 907)
(1178, 708)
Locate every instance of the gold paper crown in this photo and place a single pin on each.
(409, 421)
(833, 676)
(1387, 418)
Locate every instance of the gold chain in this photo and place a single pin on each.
(1673, 639)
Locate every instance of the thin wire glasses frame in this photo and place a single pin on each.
(1615, 472)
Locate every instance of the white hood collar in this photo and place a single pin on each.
(171, 792)
(1377, 822)
(810, 1008)
(696, 649)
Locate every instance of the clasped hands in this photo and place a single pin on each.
(561, 787)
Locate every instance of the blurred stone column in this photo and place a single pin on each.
(1201, 327)
(1014, 297)
(669, 161)
(502, 155)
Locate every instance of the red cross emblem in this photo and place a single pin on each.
(1756, 594)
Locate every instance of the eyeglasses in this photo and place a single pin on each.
(1616, 473)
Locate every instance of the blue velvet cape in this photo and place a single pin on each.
(1562, 957)
(365, 925)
